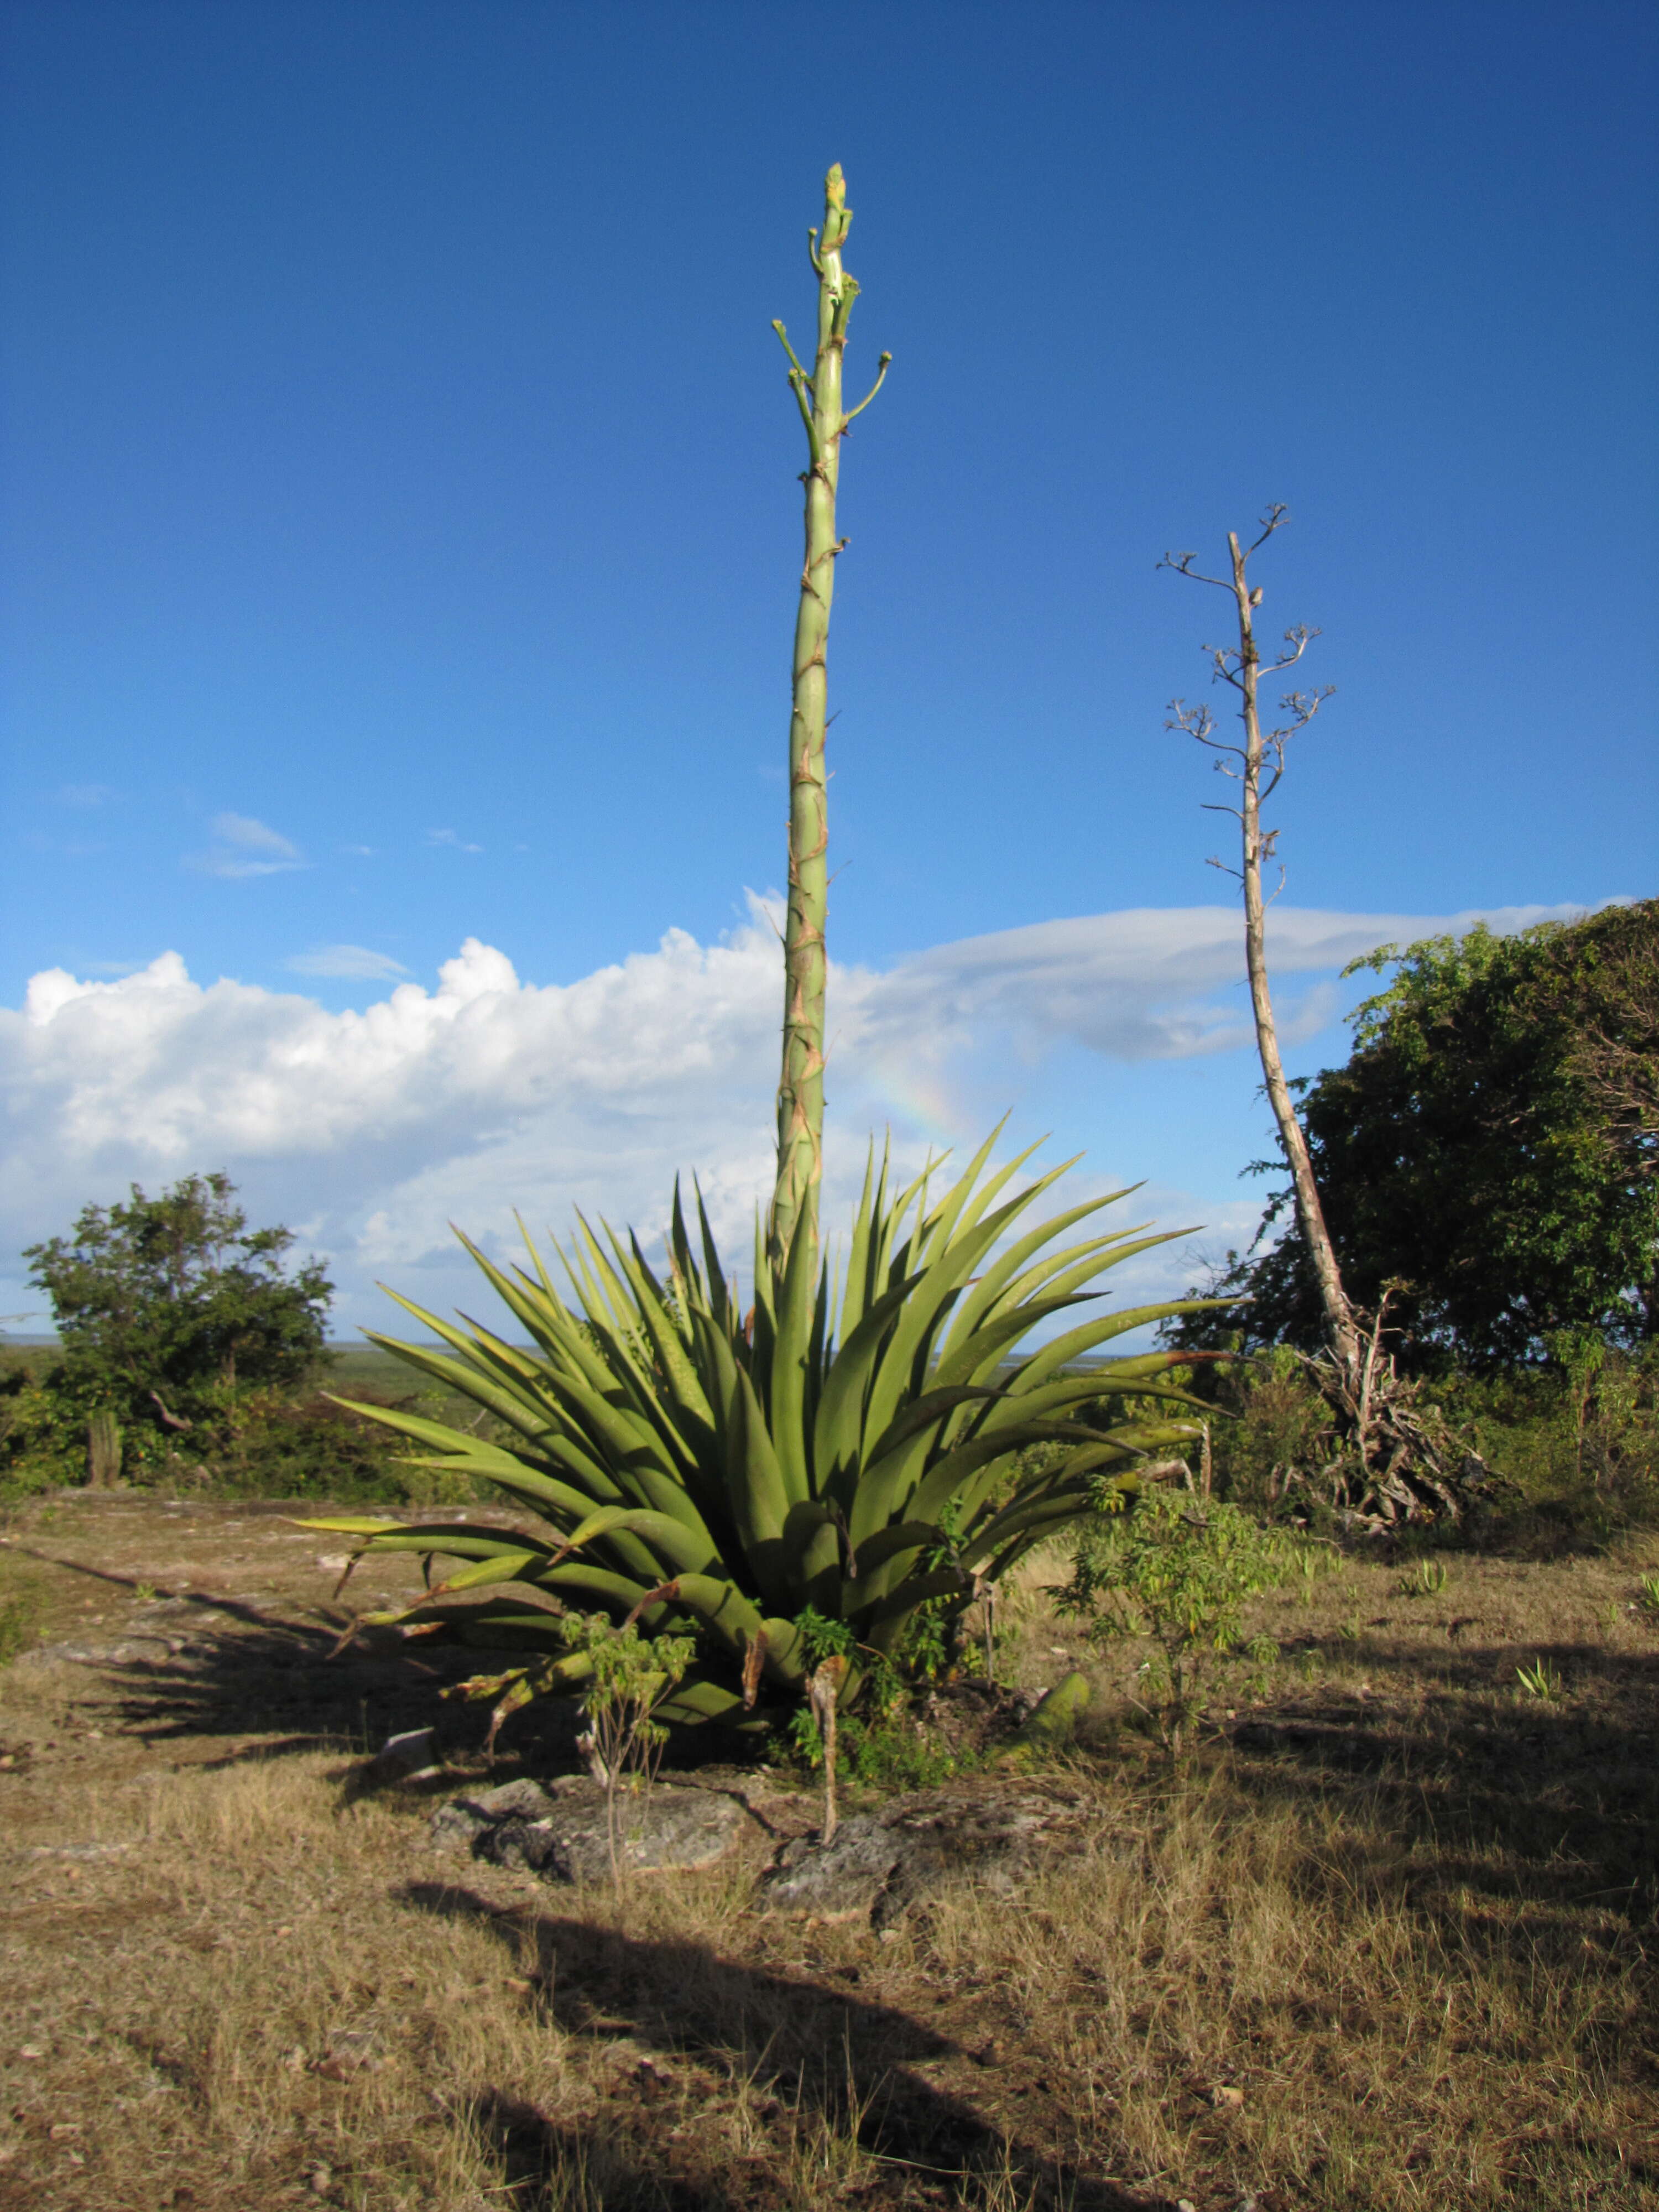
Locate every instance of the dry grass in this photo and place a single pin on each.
(1385, 1949)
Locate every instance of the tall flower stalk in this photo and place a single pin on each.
(818, 395)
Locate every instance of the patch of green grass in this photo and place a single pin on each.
(21, 1608)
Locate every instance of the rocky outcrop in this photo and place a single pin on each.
(560, 1830)
(881, 1863)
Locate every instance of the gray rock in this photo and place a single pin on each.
(458, 1825)
(880, 1863)
(410, 1757)
(561, 1831)
(843, 1880)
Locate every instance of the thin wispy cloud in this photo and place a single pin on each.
(243, 846)
(85, 794)
(354, 961)
(452, 839)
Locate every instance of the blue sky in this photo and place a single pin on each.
(401, 523)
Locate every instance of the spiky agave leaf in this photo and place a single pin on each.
(857, 1454)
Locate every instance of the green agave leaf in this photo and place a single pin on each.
(348, 1524)
(902, 1365)
(691, 1402)
(509, 1568)
(514, 1402)
(860, 1287)
(693, 1701)
(1065, 1349)
(983, 1352)
(966, 1198)
(839, 1429)
(813, 1541)
(721, 1607)
(1003, 1277)
(669, 1540)
(943, 1582)
(760, 1500)
(456, 1539)
(942, 1481)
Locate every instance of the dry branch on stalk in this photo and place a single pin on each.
(1395, 1459)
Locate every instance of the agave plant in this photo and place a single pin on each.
(848, 1451)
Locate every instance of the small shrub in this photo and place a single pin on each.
(1178, 1571)
(1281, 1429)
(1648, 1598)
(633, 1676)
(1427, 1579)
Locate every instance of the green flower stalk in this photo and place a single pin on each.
(818, 395)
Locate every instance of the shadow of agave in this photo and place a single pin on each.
(822, 2062)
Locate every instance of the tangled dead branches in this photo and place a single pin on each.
(1397, 1458)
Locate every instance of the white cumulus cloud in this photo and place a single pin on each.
(372, 1130)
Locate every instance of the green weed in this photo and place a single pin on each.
(1541, 1680)
(1427, 1579)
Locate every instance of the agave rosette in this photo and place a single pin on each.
(848, 1448)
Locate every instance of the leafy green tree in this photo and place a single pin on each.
(166, 1306)
(1490, 1150)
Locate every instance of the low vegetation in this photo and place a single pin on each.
(1377, 1944)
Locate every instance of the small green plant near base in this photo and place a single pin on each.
(1350, 1631)
(1541, 1680)
(1178, 1570)
(881, 1744)
(1427, 1579)
(1648, 1596)
(632, 1676)
(145, 1592)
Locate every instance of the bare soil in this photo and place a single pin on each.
(1384, 1942)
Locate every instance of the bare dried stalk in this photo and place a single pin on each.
(1260, 765)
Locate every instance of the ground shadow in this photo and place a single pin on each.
(809, 2052)
(198, 1664)
(1552, 1798)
